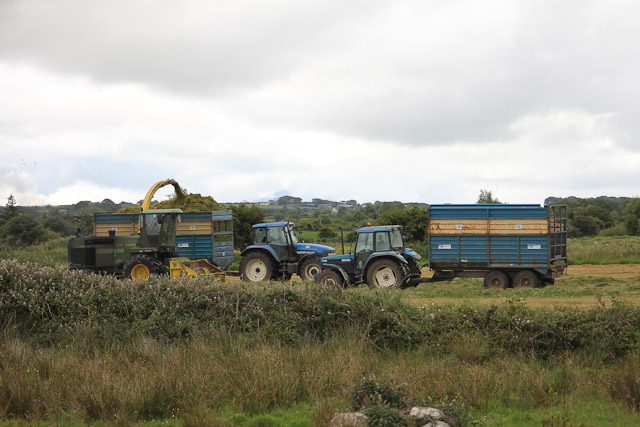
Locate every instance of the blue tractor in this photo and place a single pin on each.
(276, 253)
(380, 260)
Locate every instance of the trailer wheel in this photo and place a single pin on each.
(496, 279)
(309, 268)
(526, 279)
(141, 267)
(256, 267)
(330, 279)
(384, 274)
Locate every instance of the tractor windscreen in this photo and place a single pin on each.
(396, 240)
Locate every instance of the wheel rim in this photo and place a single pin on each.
(140, 272)
(385, 277)
(256, 270)
(330, 281)
(496, 282)
(311, 271)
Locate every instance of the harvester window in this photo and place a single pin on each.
(382, 242)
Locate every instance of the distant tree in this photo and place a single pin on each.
(243, 219)
(10, 209)
(486, 198)
(414, 221)
(289, 200)
(22, 230)
(631, 214)
(59, 224)
(326, 233)
(586, 225)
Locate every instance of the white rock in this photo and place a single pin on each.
(349, 419)
(422, 412)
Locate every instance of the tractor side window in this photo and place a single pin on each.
(396, 240)
(294, 236)
(168, 230)
(382, 242)
(276, 236)
(261, 236)
(364, 243)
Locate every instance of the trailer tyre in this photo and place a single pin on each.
(496, 279)
(141, 267)
(526, 279)
(330, 279)
(309, 268)
(384, 273)
(256, 267)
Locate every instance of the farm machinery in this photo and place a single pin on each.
(137, 256)
(276, 252)
(380, 260)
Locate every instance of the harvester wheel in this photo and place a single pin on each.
(384, 273)
(141, 267)
(496, 279)
(256, 267)
(526, 279)
(330, 279)
(309, 268)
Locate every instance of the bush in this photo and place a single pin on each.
(22, 230)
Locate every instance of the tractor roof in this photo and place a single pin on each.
(375, 228)
(273, 224)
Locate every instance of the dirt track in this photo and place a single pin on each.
(612, 270)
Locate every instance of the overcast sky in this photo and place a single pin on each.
(416, 101)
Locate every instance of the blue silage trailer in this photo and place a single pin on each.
(506, 245)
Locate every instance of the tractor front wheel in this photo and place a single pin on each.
(141, 267)
(309, 268)
(384, 273)
(330, 279)
(256, 267)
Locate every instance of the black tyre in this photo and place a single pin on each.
(141, 267)
(526, 279)
(330, 278)
(496, 279)
(256, 267)
(309, 268)
(384, 273)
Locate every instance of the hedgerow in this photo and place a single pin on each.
(44, 304)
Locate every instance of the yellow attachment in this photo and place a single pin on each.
(182, 266)
(146, 203)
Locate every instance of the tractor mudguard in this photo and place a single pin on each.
(265, 248)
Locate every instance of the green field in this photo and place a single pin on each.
(81, 349)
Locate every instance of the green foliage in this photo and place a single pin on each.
(604, 250)
(585, 225)
(22, 230)
(244, 217)
(632, 216)
(383, 416)
(326, 233)
(378, 394)
(414, 221)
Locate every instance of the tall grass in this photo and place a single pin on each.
(604, 250)
(209, 376)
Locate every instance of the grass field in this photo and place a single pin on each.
(97, 351)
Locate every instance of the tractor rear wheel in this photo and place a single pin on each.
(384, 273)
(141, 267)
(309, 268)
(256, 267)
(330, 279)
